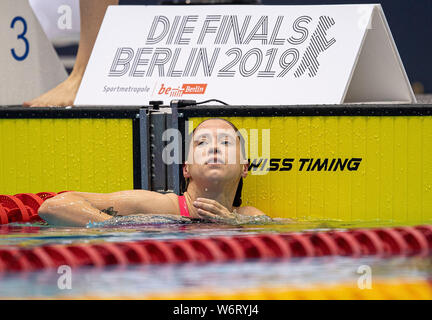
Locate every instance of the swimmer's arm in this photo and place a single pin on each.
(77, 209)
(71, 209)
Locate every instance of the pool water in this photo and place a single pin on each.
(146, 280)
(142, 281)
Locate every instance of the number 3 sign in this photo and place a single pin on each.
(29, 65)
(22, 37)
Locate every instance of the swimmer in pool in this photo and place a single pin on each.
(214, 172)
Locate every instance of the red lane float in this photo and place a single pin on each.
(3, 216)
(277, 245)
(16, 210)
(15, 260)
(427, 232)
(159, 251)
(300, 246)
(32, 203)
(46, 195)
(111, 254)
(347, 244)
(23, 207)
(416, 241)
(38, 259)
(231, 248)
(135, 253)
(369, 242)
(254, 248)
(207, 250)
(324, 245)
(382, 242)
(183, 251)
(61, 255)
(86, 256)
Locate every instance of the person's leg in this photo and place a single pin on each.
(92, 13)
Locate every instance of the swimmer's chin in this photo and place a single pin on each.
(215, 165)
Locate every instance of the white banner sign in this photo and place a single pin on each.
(29, 65)
(245, 55)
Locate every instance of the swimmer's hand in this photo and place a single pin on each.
(209, 209)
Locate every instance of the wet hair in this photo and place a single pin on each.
(185, 182)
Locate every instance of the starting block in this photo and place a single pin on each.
(29, 65)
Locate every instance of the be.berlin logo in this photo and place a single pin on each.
(187, 88)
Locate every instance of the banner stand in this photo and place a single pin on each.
(379, 75)
(252, 55)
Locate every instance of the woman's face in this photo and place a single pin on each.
(215, 153)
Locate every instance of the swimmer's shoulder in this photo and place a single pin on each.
(249, 211)
(158, 203)
(174, 200)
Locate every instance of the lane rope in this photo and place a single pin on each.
(381, 242)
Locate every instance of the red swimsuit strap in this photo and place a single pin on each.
(184, 211)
